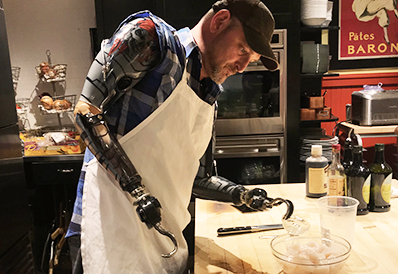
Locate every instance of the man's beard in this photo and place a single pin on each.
(217, 73)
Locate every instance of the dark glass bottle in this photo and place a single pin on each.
(358, 181)
(380, 184)
(347, 159)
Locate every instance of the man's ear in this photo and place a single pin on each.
(220, 21)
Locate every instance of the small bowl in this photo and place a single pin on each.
(310, 253)
(313, 22)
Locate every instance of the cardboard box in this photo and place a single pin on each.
(307, 114)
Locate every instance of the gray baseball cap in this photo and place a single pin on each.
(258, 26)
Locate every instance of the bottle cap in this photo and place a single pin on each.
(379, 147)
(316, 150)
(336, 146)
(357, 149)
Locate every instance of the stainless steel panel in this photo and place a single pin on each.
(252, 147)
(375, 107)
(269, 125)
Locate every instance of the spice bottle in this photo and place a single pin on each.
(335, 175)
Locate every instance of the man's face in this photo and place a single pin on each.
(228, 54)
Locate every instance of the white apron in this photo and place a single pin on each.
(165, 149)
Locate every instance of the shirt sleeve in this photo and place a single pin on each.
(122, 61)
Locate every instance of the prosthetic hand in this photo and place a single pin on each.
(110, 154)
(220, 189)
(257, 199)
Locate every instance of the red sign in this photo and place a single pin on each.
(368, 29)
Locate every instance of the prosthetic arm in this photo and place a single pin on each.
(111, 74)
(217, 188)
(110, 154)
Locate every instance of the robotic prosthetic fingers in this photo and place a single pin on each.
(110, 154)
(220, 189)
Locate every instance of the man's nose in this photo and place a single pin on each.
(242, 64)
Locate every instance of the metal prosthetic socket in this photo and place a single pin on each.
(223, 190)
(110, 154)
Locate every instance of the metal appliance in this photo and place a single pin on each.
(250, 126)
(374, 107)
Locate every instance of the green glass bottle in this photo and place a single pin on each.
(358, 181)
(380, 183)
(347, 159)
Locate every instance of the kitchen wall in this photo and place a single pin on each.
(63, 27)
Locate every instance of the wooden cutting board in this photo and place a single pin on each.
(374, 250)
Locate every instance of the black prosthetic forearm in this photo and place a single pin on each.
(219, 189)
(95, 133)
(110, 154)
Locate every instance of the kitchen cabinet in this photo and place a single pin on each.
(52, 183)
(15, 242)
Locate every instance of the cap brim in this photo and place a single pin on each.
(262, 47)
(269, 63)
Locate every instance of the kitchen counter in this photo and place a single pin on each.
(374, 250)
(52, 158)
(384, 130)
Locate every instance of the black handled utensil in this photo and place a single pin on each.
(247, 229)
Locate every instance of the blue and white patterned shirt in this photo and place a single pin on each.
(152, 81)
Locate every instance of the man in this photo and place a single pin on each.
(157, 89)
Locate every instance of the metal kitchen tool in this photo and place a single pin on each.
(247, 229)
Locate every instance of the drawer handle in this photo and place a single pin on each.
(65, 170)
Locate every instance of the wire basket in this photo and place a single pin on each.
(22, 105)
(51, 73)
(15, 73)
(59, 104)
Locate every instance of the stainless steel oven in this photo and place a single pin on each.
(250, 126)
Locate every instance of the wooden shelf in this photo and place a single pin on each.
(315, 75)
(389, 129)
(308, 28)
(332, 119)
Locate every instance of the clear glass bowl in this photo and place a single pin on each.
(310, 253)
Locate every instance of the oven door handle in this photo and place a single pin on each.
(237, 151)
(256, 146)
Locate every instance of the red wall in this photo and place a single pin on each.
(339, 89)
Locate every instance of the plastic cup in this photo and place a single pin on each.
(338, 216)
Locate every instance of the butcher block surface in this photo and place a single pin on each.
(374, 251)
